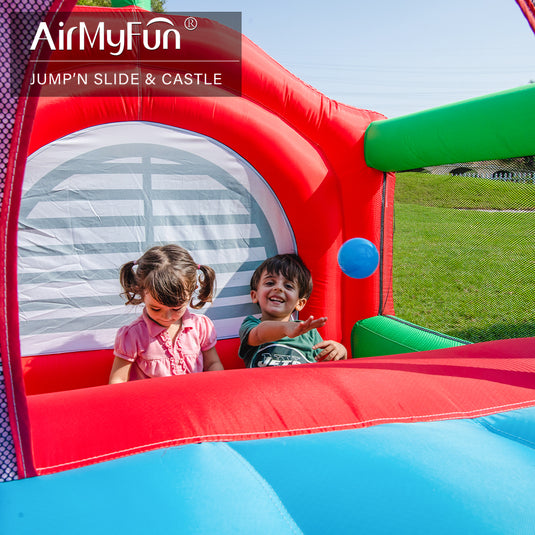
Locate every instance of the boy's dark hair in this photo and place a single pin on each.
(291, 267)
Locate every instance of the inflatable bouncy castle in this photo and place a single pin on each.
(418, 433)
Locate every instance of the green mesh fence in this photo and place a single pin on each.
(464, 248)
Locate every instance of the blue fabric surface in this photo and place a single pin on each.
(437, 477)
(201, 489)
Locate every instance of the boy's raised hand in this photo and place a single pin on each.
(270, 331)
(295, 328)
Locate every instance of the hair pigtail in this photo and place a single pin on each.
(207, 284)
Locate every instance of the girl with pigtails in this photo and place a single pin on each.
(167, 339)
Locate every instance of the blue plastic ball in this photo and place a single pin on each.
(358, 258)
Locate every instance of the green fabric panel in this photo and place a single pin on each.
(387, 335)
(143, 4)
(485, 128)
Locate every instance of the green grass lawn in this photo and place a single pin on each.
(465, 272)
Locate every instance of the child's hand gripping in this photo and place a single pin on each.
(331, 351)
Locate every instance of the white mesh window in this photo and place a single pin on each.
(102, 196)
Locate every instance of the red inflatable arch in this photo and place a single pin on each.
(288, 154)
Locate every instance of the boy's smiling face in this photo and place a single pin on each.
(277, 297)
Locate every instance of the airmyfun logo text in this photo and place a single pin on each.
(109, 52)
(113, 40)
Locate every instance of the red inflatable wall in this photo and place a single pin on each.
(307, 147)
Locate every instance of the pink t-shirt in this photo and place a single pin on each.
(148, 345)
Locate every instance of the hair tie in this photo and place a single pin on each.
(198, 266)
(134, 262)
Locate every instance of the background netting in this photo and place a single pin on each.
(464, 261)
(14, 55)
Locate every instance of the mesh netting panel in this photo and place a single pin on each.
(464, 261)
(14, 52)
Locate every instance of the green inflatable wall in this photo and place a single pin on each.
(388, 335)
(144, 4)
(486, 128)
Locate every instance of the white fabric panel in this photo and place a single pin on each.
(80, 313)
(231, 301)
(72, 236)
(241, 278)
(67, 290)
(67, 343)
(255, 254)
(72, 262)
(172, 207)
(226, 328)
(98, 182)
(92, 208)
(221, 232)
(186, 182)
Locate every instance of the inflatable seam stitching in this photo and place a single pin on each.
(426, 330)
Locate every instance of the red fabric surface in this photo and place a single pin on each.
(69, 371)
(66, 371)
(528, 8)
(79, 427)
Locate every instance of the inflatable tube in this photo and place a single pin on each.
(388, 335)
(491, 127)
(97, 424)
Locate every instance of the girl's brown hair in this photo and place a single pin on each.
(169, 274)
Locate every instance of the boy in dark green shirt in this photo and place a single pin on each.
(281, 285)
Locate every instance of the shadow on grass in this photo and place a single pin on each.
(499, 331)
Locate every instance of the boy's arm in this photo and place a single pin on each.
(270, 331)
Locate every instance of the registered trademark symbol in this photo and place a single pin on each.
(190, 23)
